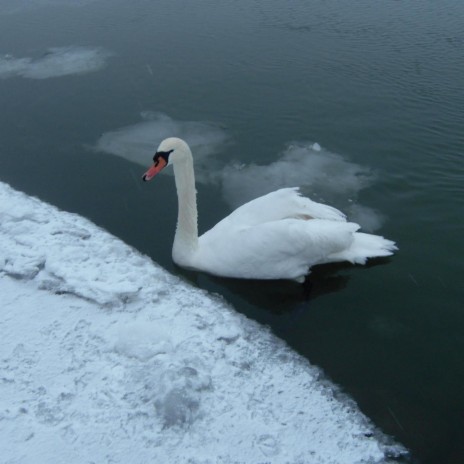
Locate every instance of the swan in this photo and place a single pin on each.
(280, 235)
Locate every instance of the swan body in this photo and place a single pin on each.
(280, 235)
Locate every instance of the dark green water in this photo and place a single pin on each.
(378, 83)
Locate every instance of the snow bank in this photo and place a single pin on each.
(57, 62)
(105, 357)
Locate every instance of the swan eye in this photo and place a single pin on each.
(162, 154)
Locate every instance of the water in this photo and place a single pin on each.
(378, 85)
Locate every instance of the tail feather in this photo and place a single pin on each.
(365, 246)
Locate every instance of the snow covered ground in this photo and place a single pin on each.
(107, 358)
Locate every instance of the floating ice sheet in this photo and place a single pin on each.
(105, 357)
(138, 142)
(307, 166)
(56, 62)
(324, 176)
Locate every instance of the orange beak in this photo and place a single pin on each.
(159, 165)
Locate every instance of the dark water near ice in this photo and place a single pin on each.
(378, 84)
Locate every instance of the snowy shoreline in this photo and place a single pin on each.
(106, 357)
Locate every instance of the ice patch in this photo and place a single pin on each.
(369, 218)
(324, 176)
(57, 62)
(138, 142)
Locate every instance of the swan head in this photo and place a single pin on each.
(171, 150)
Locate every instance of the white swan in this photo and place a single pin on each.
(277, 236)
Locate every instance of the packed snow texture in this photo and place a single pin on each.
(105, 357)
(324, 176)
(56, 62)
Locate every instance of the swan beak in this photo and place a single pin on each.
(159, 165)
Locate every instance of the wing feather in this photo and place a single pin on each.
(286, 203)
(285, 248)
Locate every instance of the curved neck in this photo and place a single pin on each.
(186, 238)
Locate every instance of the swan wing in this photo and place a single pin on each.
(286, 203)
(283, 249)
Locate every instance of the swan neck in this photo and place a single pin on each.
(186, 238)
